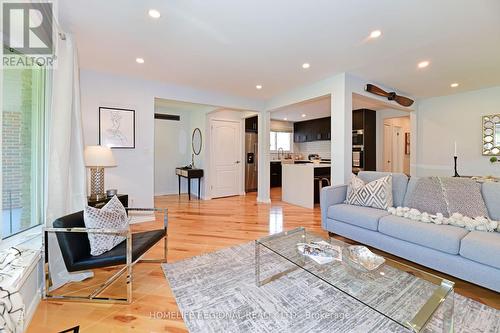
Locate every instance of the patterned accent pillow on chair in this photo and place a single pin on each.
(376, 194)
(112, 216)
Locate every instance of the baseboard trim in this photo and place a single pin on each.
(266, 201)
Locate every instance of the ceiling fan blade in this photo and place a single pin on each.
(376, 90)
(404, 101)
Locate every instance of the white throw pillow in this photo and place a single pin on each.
(376, 194)
(112, 216)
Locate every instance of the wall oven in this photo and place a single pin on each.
(357, 157)
(357, 137)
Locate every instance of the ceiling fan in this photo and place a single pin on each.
(392, 96)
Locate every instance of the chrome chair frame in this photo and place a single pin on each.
(94, 296)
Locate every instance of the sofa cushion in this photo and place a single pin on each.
(445, 238)
(483, 247)
(399, 183)
(491, 196)
(364, 217)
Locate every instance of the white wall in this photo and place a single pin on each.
(134, 174)
(443, 120)
(173, 149)
(281, 126)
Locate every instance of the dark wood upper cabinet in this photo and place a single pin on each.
(357, 119)
(312, 130)
(251, 124)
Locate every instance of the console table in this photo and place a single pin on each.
(189, 173)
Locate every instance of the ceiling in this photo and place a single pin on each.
(312, 109)
(167, 105)
(321, 107)
(231, 46)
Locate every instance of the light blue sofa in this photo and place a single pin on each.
(471, 256)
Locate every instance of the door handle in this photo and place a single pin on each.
(237, 162)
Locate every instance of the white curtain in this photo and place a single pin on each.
(66, 176)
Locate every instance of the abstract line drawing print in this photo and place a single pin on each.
(116, 127)
(114, 132)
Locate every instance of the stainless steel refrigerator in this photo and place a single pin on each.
(251, 153)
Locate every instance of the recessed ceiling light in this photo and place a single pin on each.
(285, 119)
(423, 64)
(306, 65)
(303, 115)
(454, 85)
(139, 60)
(154, 13)
(375, 34)
(258, 87)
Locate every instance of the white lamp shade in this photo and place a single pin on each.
(99, 156)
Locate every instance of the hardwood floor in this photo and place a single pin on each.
(195, 227)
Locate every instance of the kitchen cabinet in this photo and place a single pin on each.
(357, 119)
(251, 124)
(312, 130)
(366, 120)
(275, 174)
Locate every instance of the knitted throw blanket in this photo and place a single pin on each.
(479, 223)
(446, 200)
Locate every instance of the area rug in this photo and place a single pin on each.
(216, 292)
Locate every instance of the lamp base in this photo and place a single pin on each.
(97, 183)
(96, 197)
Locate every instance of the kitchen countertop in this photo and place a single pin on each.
(314, 165)
(291, 161)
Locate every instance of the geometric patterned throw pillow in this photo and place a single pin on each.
(376, 194)
(112, 216)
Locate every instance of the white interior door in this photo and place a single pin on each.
(225, 158)
(387, 148)
(397, 149)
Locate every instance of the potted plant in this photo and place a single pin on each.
(494, 159)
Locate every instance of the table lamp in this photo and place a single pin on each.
(97, 158)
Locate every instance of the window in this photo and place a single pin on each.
(281, 140)
(23, 142)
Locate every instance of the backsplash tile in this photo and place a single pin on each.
(314, 147)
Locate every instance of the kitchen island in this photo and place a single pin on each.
(298, 184)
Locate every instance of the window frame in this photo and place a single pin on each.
(40, 101)
(276, 141)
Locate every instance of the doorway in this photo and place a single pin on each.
(396, 145)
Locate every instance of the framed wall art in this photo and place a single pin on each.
(116, 127)
(407, 143)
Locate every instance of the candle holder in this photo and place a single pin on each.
(455, 158)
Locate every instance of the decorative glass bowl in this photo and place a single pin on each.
(361, 258)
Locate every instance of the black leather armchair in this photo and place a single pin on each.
(75, 248)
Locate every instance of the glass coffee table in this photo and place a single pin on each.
(405, 295)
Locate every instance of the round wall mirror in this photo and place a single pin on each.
(196, 141)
